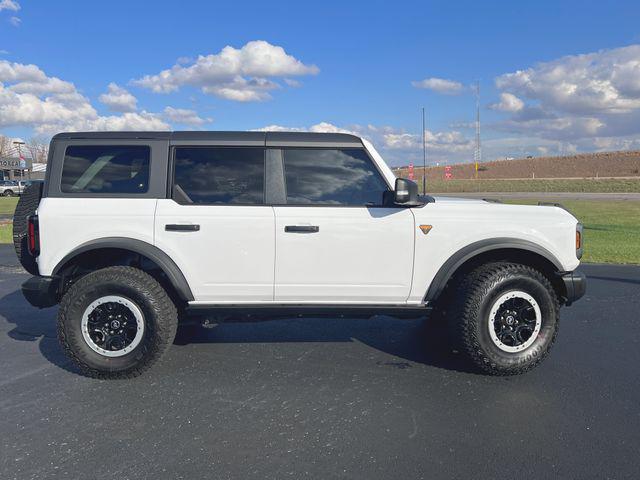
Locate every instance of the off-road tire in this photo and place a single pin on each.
(160, 321)
(468, 318)
(27, 205)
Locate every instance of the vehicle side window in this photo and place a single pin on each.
(106, 169)
(318, 176)
(219, 175)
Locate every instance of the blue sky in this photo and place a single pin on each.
(365, 67)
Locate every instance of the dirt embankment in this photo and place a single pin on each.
(590, 165)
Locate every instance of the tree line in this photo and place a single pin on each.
(36, 148)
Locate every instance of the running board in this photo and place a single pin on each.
(256, 312)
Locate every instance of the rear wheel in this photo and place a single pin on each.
(116, 322)
(27, 205)
(506, 318)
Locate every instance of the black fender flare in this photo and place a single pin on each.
(153, 253)
(456, 260)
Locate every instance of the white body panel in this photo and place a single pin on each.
(359, 255)
(230, 259)
(460, 222)
(67, 223)
(242, 254)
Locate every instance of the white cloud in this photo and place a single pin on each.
(508, 103)
(607, 81)
(127, 121)
(322, 127)
(440, 85)
(11, 5)
(185, 116)
(244, 74)
(584, 100)
(31, 79)
(28, 97)
(15, 21)
(293, 82)
(398, 147)
(442, 142)
(119, 99)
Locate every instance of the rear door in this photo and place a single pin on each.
(216, 225)
(335, 241)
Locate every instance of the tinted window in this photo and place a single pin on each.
(106, 169)
(332, 177)
(220, 175)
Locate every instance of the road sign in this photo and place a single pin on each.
(14, 163)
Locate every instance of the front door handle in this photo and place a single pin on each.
(302, 229)
(182, 227)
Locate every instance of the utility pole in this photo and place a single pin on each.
(424, 154)
(477, 156)
(19, 144)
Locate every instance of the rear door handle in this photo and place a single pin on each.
(180, 227)
(301, 228)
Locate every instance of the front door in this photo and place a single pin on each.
(335, 241)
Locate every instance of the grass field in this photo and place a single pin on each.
(6, 233)
(611, 228)
(609, 185)
(8, 205)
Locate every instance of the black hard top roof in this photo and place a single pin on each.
(274, 139)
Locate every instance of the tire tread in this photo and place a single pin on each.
(165, 326)
(471, 290)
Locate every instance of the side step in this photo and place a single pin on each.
(254, 313)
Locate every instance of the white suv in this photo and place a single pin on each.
(133, 231)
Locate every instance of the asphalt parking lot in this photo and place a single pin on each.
(327, 398)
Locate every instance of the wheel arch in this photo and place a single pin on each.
(501, 249)
(173, 274)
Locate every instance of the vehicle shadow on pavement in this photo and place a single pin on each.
(616, 279)
(423, 341)
(33, 325)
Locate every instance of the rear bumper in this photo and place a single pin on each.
(575, 285)
(41, 292)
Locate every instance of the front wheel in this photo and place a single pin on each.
(116, 322)
(505, 318)
(8, 193)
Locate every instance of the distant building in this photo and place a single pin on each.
(16, 168)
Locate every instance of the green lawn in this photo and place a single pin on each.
(6, 233)
(8, 204)
(611, 229)
(613, 185)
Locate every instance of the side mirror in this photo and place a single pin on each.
(406, 192)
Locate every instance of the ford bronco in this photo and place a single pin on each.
(134, 232)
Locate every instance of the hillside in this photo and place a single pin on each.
(588, 165)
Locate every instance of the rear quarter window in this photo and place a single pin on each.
(106, 169)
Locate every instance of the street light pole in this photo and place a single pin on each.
(19, 144)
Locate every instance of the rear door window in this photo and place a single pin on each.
(219, 175)
(106, 169)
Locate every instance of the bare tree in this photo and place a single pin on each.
(38, 148)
